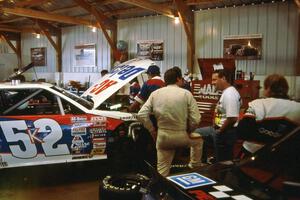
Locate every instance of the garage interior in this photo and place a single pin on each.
(191, 32)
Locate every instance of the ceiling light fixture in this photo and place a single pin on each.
(38, 36)
(176, 20)
(94, 29)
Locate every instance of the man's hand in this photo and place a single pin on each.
(154, 135)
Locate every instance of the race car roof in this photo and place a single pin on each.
(116, 79)
(25, 85)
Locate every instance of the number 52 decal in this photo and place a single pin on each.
(18, 131)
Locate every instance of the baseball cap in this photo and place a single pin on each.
(153, 69)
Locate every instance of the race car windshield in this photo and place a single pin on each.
(83, 102)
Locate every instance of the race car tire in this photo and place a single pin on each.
(123, 187)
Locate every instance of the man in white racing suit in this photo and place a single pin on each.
(177, 115)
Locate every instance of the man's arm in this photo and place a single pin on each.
(143, 116)
(193, 114)
(134, 107)
(228, 123)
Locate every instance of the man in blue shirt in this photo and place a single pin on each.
(154, 82)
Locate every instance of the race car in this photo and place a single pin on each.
(43, 124)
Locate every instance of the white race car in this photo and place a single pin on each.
(43, 124)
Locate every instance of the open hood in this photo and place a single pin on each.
(20, 71)
(115, 80)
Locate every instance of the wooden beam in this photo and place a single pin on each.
(46, 16)
(186, 17)
(15, 49)
(199, 2)
(30, 3)
(100, 19)
(297, 2)
(9, 29)
(105, 2)
(59, 51)
(19, 50)
(5, 38)
(50, 28)
(151, 6)
(56, 45)
(47, 34)
(298, 49)
(133, 10)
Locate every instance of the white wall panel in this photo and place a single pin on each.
(78, 35)
(156, 28)
(277, 22)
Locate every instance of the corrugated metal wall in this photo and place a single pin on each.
(277, 22)
(71, 37)
(152, 28)
(78, 35)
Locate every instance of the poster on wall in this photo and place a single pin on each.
(243, 47)
(38, 56)
(153, 49)
(85, 55)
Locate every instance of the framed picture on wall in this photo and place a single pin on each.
(243, 47)
(85, 55)
(153, 49)
(38, 56)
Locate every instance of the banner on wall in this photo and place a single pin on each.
(38, 56)
(152, 49)
(243, 47)
(85, 55)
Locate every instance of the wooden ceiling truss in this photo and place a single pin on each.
(48, 20)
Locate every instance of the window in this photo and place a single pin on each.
(70, 108)
(28, 102)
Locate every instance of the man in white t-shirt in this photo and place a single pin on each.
(223, 133)
(267, 119)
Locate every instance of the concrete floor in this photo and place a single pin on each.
(76, 181)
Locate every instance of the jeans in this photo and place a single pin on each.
(223, 143)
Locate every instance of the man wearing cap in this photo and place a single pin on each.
(154, 82)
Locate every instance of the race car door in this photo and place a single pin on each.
(35, 129)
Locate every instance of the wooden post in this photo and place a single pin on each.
(58, 52)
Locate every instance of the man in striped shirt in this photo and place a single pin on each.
(154, 82)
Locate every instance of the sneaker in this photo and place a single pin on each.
(194, 166)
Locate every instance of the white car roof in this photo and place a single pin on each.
(10, 85)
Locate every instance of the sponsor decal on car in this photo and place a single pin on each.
(98, 131)
(190, 180)
(78, 119)
(99, 121)
(78, 131)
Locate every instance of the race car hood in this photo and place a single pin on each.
(20, 71)
(115, 80)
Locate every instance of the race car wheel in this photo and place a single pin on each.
(123, 187)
